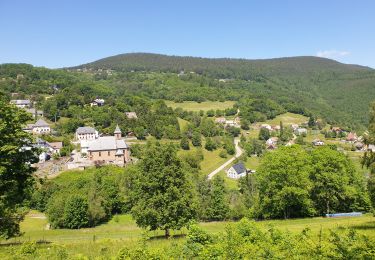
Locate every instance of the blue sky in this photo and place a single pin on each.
(58, 33)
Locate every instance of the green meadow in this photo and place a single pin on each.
(104, 241)
(195, 106)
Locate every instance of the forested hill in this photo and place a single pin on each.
(338, 92)
(225, 67)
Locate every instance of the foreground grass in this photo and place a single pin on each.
(121, 231)
(206, 105)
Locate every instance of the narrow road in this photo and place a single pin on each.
(238, 154)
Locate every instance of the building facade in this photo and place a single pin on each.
(109, 150)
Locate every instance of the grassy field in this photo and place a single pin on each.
(182, 123)
(107, 239)
(211, 160)
(195, 106)
(287, 119)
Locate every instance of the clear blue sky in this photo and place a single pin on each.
(58, 33)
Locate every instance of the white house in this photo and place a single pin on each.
(267, 126)
(40, 127)
(21, 103)
(300, 131)
(97, 102)
(318, 142)
(86, 133)
(131, 115)
(271, 143)
(237, 171)
(220, 120)
(294, 126)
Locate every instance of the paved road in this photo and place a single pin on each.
(222, 167)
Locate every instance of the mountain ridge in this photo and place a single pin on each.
(160, 62)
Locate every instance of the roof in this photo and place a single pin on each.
(85, 130)
(40, 123)
(99, 100)
(107, 143)
(20, 101)
(56, 145)
(131, 115)
(117, 130)
(239, 168)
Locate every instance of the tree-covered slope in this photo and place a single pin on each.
(224, 67)
(338, 92)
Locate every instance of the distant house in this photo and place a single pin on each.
(336, 129)
(276, 128)
(109, 150)
(237, 171)
(55, 147)
(266, 126)
(300, 131)
(220, 120)
(21, 103)
(371, 148)
(34, 112)
(271, 143)
(294, 126)
(317, 142)
(97, 102)
(231, 123)
(49, 148)
(131, 115)
(351, 137)
(86, 133)
(40, 127)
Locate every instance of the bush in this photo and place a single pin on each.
(76, 212)
(210, 144)
(98, 194)
(223, 154)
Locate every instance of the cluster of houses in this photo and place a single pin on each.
(103, 149)
(27, 105)
(228, 123)
(48, 149)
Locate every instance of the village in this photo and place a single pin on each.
(91, 148)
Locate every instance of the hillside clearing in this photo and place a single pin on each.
(205, 106)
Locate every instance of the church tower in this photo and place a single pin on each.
(117, 133)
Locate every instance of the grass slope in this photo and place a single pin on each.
(195, 106)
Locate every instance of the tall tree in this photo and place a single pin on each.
(368, 159)
(184, 143)
(337, 186)
(284, 185)
(264, 134)
(218, 207)
(16, 155)
(161, 190)
(196, 138)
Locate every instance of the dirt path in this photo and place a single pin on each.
(222, 167)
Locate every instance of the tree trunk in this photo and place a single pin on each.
(327, 206)
(167, 232)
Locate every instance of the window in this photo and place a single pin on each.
(100, 154)
(109, 153)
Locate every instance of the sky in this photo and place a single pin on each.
(62, 33)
